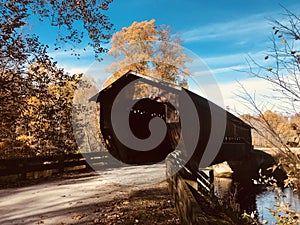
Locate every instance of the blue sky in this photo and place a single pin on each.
(221, 33)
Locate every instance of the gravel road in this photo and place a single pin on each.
(72, 200)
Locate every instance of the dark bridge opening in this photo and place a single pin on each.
(142, 113)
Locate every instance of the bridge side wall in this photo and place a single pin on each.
(187, 207)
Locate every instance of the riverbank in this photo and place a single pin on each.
(275, 151)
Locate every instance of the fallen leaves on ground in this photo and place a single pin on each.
(152, 206)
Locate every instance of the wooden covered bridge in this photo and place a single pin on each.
(136, 99)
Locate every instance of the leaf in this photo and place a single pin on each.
(79, 216)
(274, 168)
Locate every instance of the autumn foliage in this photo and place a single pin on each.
(35, 94)
(272, 129)
(149, 50)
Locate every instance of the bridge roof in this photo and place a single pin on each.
(131, 76)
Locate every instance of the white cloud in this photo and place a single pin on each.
(252, 85)
(86, 51)
(88, 66)
(236, 28)
(227, 94)
(260, 89)
(234, 59)
(67, 54)
(76, 70)
(221, 70)
(95, 68)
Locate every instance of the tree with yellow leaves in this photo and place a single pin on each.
(149, 50)
(36, 100)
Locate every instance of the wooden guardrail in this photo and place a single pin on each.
(205, 182)
(204, 178)
(55, 164)
(188, 188)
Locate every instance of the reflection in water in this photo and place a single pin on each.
(252, 197)
(266, 199)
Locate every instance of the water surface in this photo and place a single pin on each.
(254, 198)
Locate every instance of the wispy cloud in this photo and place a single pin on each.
(225, 67)
(210, 72)
(87, 64)
(234, 29)
(231, 92)
(76, 70)
(233, 59)
(84, 52)
(260, 90)
(93, 68)
(228, 93)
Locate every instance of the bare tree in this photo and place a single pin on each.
(281, 69)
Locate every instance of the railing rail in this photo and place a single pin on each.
(204, 177)
(58, 163)
(206, 182)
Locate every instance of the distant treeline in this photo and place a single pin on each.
(274, 129)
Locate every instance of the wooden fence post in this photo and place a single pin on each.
(211, 182)
(23, 167)
(61, 165)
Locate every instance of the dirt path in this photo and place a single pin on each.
(108, 197)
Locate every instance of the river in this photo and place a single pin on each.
(254, 198)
